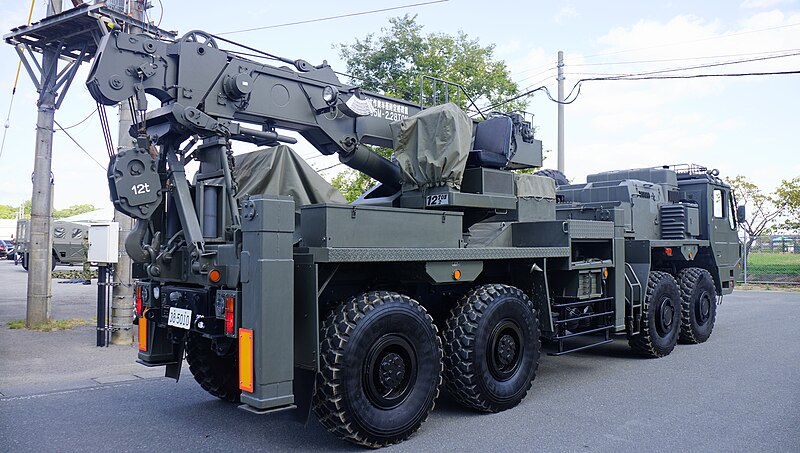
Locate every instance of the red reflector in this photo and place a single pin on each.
(668, 251)
(229, 323)
(139, 301)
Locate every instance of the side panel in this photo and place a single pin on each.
(268, 299)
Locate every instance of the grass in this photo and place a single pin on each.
(60, 324)
(773, 263)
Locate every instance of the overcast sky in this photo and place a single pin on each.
(743, 125)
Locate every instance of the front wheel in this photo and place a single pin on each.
(699, 305)
(491, 348)
(380, 369)
(661, 317)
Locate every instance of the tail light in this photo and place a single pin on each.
(139, 301)
(230, 315)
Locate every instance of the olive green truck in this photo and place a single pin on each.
(452, 270)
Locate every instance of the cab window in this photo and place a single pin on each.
(77, 233)
(59, 232)
(719, 204)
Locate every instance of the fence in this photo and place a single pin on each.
(773, 259)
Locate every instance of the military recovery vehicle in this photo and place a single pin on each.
(452, 269)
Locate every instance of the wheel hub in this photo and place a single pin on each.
(389, 371)
(392, 370)
(666, 312)
(504, 350)
(703, 311)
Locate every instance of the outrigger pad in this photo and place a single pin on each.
(432, 146)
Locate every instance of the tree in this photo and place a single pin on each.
(789, 194)
(393, 62)
(763, 209)
(7, 212)
(72, 210)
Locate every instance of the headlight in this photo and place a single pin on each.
(156, 292)
(330, 94)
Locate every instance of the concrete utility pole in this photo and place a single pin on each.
(41, 240)
(122, 297)
(560, 79)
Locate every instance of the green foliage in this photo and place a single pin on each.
(72, 210)
(60, 324)
(765, 210)
(393, 62)
(773, 263)
(7, 212)
(789, 193)
(10, 212)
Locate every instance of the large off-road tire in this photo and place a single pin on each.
(661, 317)
(26, 260)
(699, 305)
(491, 344)
(555, 175)
(380, 369)
(218, 375)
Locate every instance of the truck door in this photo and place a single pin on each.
(724, 236)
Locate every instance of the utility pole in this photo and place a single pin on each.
(122, 296)
(560, 79)
(41, 240)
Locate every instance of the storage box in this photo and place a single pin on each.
(330, 225)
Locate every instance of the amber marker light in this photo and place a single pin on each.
(214, 276)
(605, 273)
(457, 274)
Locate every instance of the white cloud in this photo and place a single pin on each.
(565, 13)
(764, 3)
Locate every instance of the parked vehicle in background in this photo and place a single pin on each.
(4, 248)
(68, 242)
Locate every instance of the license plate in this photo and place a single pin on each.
(179, 317)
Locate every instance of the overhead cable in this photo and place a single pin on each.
(340, 16)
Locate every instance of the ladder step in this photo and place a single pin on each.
(580, 348)
(581, 302)
(578, 318)
(585, 332)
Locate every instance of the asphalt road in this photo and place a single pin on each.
(740, 391)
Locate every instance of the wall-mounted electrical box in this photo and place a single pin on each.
(103, 242)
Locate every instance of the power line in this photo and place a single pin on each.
(79, 146)
(81, 121)
(570, 98)
(328, 168)
(692, 41)
(682, 59)
(341, 16)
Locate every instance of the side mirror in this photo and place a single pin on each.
(741, 214)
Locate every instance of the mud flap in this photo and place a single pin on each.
(173, 370)
(304, 385)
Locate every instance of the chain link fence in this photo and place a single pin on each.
(773, 259)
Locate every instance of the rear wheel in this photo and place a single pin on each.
(661, 317)
(380, 369)
(698, 305)
(491, 348)
(217, 374)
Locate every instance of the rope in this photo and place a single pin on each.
(14, 90)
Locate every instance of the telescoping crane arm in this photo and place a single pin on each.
(208, 91)
(220, 95)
